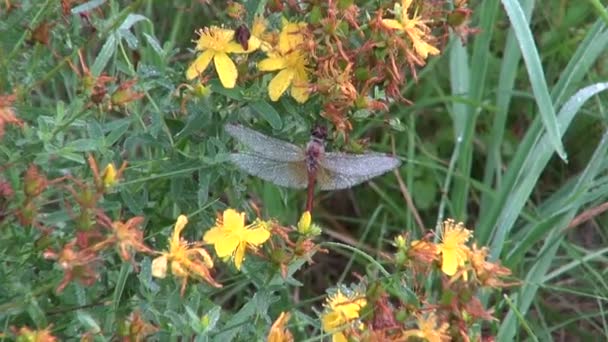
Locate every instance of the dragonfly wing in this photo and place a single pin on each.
(367, 164)
(344, 170)
(287, 174)
(264, 145)
(329, 180)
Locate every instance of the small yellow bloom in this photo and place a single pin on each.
(341, 310)
(216, 43)
(414, 27)
(231, 237)
(304, 222)
(400, 242)
(291, 37)
(293, 72)
(428, 330)
(292, 61)
(454, 252)
(278, 332)
(259, 35)
(186, 259)
(109, 175)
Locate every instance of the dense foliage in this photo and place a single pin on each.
(124, 217)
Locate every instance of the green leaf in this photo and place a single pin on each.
(256, 306)
(84, 145)
(268, 113)
(106, 52)
(234, 93)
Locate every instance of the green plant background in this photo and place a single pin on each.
(485, 142)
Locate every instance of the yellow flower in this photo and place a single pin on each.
(231, 237)
(341, 310)
(109, 175)
(304, 222)
(400, 242)
(291, 37)
(186, 259)
(293, 73)
(291, 59)
(278, 332)
(414, 27)
(428, 330)
(454, 252)
(216, 43)
(259, 35)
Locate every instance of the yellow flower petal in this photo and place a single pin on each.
(181, 222)
(424, 49)
(280, 83)
(449, 261)
(234, 47)
(233, 220)
(227, 245)
(159, 267)
(214, 235)
(272, 64)
(331, 321)
(304, 222)
(256, 236)
(239, 256)
(339, 337)
(291, 37)
(254, 44)
(109, 175)
(214, 38)
(299, 88)
(393, 24)
(200, 64)
(226, 70)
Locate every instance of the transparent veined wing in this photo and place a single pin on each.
(287, 174)
(329, 180)
(359, 165)
(264, 145)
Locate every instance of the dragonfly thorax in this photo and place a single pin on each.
(314, 152)
(315, 148)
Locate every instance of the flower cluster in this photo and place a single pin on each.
(334, 50)
(375, 314)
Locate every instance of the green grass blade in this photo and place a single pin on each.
(537, 273)
(472, 83)
(504, 93)
(534, 164)
(464, 124)
(535, 73)
(587, 53)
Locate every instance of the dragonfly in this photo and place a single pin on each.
(288, 165)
